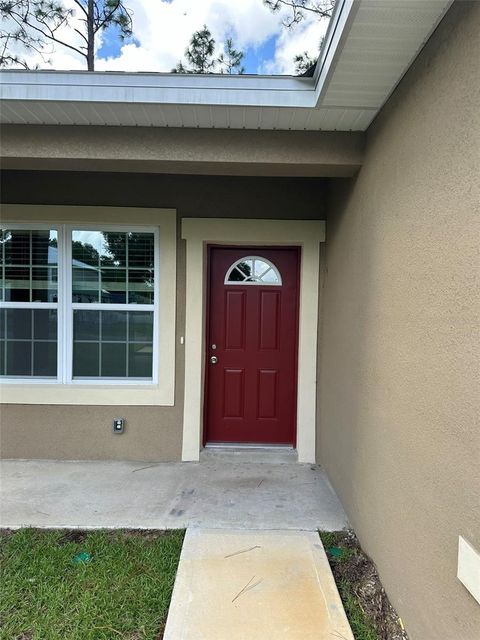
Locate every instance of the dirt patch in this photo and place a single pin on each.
(357, 580)
(72, 535)
(148, 534)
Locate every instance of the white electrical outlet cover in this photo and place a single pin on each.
(468, 571)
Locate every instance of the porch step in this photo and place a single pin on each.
(249, 454)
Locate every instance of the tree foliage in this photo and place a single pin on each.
(200, 56)
(199, 53)
(303, 63)
(36, 25)
(298, 10)
(231, 60)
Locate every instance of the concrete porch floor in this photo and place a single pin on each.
(217, 492)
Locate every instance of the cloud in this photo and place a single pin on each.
(163, 29)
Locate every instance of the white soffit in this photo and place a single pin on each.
(369, 46)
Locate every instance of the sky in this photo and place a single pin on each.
(162, 30)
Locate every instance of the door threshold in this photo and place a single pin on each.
(265, 454)
(247, 445)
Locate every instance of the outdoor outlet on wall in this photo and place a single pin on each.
(118, 425)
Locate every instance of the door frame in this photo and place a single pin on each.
(201, 232)
(257, 250)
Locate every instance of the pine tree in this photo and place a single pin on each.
(33, 25)
(298, 11)
(231, 60)
(199, 53)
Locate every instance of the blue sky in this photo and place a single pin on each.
(254, 56)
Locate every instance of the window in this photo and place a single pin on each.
(99, 284)
(29, 303)
(253, 270)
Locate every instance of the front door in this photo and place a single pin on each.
(251, 357)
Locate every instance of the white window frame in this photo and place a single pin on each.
(88, 306)
(101, 391)
(42, 305)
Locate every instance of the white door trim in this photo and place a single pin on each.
(198, 233)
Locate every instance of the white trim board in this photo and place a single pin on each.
(198, 233)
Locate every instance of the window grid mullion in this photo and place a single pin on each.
(126, 268)
(32, 319)
(100, 335)
(127, 350)
(30, 270)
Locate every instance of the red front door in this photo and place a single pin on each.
(251, 358)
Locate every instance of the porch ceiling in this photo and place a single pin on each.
(369, 46)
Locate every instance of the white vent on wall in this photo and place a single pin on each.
(468, 571)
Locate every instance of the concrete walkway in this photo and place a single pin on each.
(255, 585)
(215, 493)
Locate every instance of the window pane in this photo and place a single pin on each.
(86, 359)
(45, 359)
(113, 267)
(112, 344)
(140, 287)
(19, 358)
(253, 270)
(86, 325)
(140, 250)
(44, 284)
(114, 326)
(114, 285)
(87, 247)
(44, 248)
(114, 360)
(85, 284)
(19, 324)
(45, 324)
(140, 360)
(140, 327)
(17, 284)
(115, 249)
(17, 247)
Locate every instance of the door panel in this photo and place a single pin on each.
(252, 338)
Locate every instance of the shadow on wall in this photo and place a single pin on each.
(192, 196)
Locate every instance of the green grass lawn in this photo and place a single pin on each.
(122, 591)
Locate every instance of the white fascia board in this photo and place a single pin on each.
(158, 88)
(338, 27)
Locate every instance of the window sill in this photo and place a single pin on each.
(86, 394)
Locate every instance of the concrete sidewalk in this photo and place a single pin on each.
(255, 585)
(214, 493)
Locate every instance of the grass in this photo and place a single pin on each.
(123, 592)
(362, 627)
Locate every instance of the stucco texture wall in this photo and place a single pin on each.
(152, 433)
(399, 382)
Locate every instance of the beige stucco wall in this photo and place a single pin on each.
(225, 152)
(399, 382)
(152, 433)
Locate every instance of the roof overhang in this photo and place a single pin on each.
(369, 46)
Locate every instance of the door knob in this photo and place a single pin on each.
(213, 359)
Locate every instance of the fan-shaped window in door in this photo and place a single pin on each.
(253, 270)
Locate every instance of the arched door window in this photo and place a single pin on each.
(253, 270)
